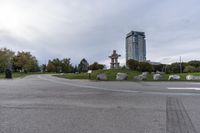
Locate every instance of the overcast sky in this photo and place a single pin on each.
(93, 28)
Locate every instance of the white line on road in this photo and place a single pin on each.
(113, 90)
(195, 83)
(183, 88)
(85, 86)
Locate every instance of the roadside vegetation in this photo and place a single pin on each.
(166, 76)
(22, 74)
(111, 74)
(24, 63)
(136, 68)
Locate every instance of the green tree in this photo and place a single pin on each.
(75, 69)
(133, 64)
(83, 66)
(194, 63)
(51, 67)
(96, 66)
(43, 67)
(57, 64)
(26, 62)
(6, 59)
(159, 68)
(175, 68)
(145, 67)
(66, 65)
(198, 69)
(190, 69)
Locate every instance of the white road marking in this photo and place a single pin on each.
(183, 88)
(113, 90)
(85, 86)
(195, 83)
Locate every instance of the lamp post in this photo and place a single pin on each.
(180, 64)
(8, 71)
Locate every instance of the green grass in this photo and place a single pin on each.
(111, 74)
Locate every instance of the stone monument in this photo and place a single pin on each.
(114, 60)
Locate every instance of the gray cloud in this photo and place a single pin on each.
(92, 29)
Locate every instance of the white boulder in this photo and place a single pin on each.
(191, 77)
(174, 77)
(121, 76)
(102, 77)
(145, 73)
(158, 72)
(140, 77)
(157, 77)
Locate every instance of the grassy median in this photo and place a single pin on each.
(111, 74)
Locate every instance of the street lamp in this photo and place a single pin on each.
(180, 64)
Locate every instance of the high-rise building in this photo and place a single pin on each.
(136, 46)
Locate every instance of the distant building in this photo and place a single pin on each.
(153, 63)
(136, 46)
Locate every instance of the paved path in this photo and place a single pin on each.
(45, 104)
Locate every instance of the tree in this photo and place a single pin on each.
(51, 67)
(83, 66)
(58, 66)
(175, 68)
(198, 69)
(6, 59)
(145, 67)
(66, 65)
(133, 64)
(139, 66)
(26, 62)
(96, 66)
(194, 63)
(159, 68)
(43, 67)
(75, 69)
(190, 69)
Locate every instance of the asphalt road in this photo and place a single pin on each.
(46, 104)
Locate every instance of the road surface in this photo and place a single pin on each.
(46, 104)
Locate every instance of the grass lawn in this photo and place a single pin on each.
(111, 74)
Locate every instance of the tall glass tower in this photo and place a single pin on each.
(136, 46)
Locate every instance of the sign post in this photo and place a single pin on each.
(89, 72)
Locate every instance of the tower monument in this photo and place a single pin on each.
(114, 60)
